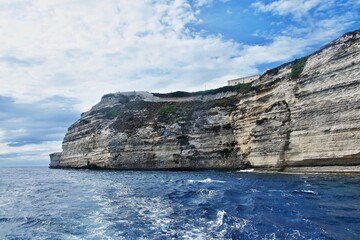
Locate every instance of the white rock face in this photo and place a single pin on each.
(284, 122)
(123, 133)
(308, 121)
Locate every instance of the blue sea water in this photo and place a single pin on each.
(40, 203)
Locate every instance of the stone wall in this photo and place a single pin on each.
(248, 79)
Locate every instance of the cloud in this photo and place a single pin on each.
(297, 8)
(307, 23)
(46, 120)
(31, 131)
(27, 155)
(137, 45)
(73, 49)
(200, 3)
(14, 61)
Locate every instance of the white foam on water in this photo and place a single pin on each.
(207, 193)
(196, 234)
(157, 210)
(220, 217)
(154, 212)
(276, 190)
(207, 180)
(241, 224)
(306, 191)
(202, 229)
(253, 190)
(246, 170)
(206, 231)
(218, 228)
(295, 234)
(99, 219)
(101, 225)
(270, 236)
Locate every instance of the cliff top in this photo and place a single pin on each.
(292, 69)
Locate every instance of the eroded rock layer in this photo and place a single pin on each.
(285, 120)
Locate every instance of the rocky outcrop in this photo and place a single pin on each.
(287, 120)
(126, 132)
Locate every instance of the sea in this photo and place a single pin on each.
(42, 203)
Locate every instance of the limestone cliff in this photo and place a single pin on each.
(302, 114)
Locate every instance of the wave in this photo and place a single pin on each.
(220, 217)
(246, 170)
(294, 191)
(207, 180)
(207, 193)
(306, 191)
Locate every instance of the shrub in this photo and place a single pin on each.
(113, 114)
(167, 109)
(109, 95)
(243, 87)
(215, 91)
(240, 88)
(298, 67)
(174, 94)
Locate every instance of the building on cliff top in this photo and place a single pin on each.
(248, 79)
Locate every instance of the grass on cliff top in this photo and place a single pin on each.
(240, 88)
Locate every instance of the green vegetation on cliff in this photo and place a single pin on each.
(113, 113)
(240, 88)
(298, 67)
(167, 109)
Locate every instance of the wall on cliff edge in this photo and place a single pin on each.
(286, 119)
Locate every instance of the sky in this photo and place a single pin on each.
(58, 57)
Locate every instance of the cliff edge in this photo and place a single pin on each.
(303, 115)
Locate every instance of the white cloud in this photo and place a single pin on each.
(200, 3)
(84, 49)
(134, 45)
(28, 154)
(297, 8)
(309, 22)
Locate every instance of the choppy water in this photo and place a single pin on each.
(39, 203)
